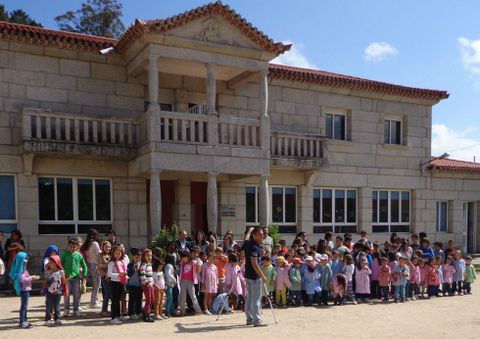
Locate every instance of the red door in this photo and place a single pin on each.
(198, 200)
(168, 201)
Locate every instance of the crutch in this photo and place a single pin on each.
(226, 299)
(270, 303)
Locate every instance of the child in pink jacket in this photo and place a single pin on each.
(282, 281)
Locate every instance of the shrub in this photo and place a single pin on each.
(274, 232)
(164, 237)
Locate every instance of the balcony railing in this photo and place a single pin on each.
(301, 149)
(234, 131)
(183, 128)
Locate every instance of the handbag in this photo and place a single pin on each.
(83, 288)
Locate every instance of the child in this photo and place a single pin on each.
(349, 270)
(337, 264)
(209, 278)
(459, 275)
(134, 285)
(384, 277)
(325, 279)
(186, 283)
(270, 275)
(22, 282)
(374, 285)
(312, 283)
(448, 272)
(439, 263)
(75, 270)
(401, 274)
(470, 275)
(415, 278)
(433, 282)
(117, 272)
(159, 286)
(102, 263)
(171, 282)
(423, 276)
(282, 281)
(54, 282)
(51, 250)
(220, 261)
(296, 282)
(233, 280)
(339, 289)
(146, 279)
(362, 280)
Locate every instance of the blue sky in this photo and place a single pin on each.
(428, 43)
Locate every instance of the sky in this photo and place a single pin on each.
(429, 44)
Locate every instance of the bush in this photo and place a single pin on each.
(164, 237)
(274, 233)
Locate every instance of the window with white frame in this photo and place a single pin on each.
(442, 216)
(251, 205)
(8, 203)
(73, 205)
(392, 132)
(334, 210)
(335, 125)
(284, 208)
(390, 211)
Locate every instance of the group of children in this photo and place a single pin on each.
(191, 280)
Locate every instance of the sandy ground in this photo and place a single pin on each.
(449, 317)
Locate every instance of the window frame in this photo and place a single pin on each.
(334, 224)
(389, 223)
(15, 201)
(284, 223)
(76, 221)
(333, 114)
(437, 214)
(257, 222)
(400, 135)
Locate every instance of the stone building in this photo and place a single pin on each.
(184, 120)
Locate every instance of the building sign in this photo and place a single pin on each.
(228, 211)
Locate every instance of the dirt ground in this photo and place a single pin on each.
(449, 317)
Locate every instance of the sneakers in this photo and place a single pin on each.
(116, 321)
(48, 323)
(67, 314)
(134, 317)
(124, 318)
(207, 312)
(26, 325)
(157, 317)
(148, 319)
(259, 325)
(58, 323)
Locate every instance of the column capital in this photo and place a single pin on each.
(213, 174)
(211, 65)
(155, 171)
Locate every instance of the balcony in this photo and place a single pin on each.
(47, 132)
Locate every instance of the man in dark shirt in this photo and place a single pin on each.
(253, 275)
(183, 244)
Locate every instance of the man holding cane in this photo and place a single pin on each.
(253, 276)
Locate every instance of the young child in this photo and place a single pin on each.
(459, 275)
(134, 285)
(146, 279)
(209, 278)
(296, 282)
(433, 282)
(75, 270)
(375, 292)
(362, 280)
(117, 272)
(159, 286)
(102, 264)
(312, 281)
(439, 263)
(282, 281)
(448, 272)
(325, 279)
(233, 280)
(384, 278)
(349, 270)
(415, 278)
(339, 289)
(470, 275)
(401, 274)
(54, 282)
(22, 283)
(337, 263)
(171, 283)
(186, 277)
(220, 261)
(424, 269)
(269, 271)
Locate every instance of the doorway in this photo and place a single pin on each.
(469, 222)
(198, 201)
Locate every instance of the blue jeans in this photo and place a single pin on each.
(53, 306)
(253, 301)
(106, 293)
(296, 296)
(169, 309)
(385, 292)
(399, 292)
(24, 296)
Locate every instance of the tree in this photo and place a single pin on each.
(18, 16)
(3, 13)
(95, 17)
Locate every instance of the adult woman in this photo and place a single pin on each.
(13, 245)
(212, 239)
(91, 248)
(200, 241)
(405, 250)
(227, 243)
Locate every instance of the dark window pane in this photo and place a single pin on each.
(250, 204)
(386, 131)
(7, 197)
(327, 206)
(277, 204)
(379, 228)
(166, 107)
(85, 199)
(328, 126)
(83, 229)
(316, 205)
(56, 229)
(374, 207)
(64, 199)
(394, 206)
(322, 229)
(287, 229)
(290, 204)
(102, 199)
(339, 206)
(405, 206)
(442, 216)
(339, 127)
(46, 198)
(346, 229)
(400, 228)
(396, 132)
(351, 206)
(383, 206)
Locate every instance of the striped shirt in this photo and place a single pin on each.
(146, 274)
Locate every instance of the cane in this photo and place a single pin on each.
(270, 303)
(226, 299)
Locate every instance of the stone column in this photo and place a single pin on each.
(305, 210)
(212, 202)
(265, 120)
(364, 212)
(264, 202)
(155, 203)
(153, 111)
(211, 90)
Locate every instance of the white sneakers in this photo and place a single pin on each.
(116, 321)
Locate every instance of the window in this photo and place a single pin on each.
(335, 126)
(71, 205)
(251, 205)
(334, 210)
(8, 206)
(393, 132)
(442, 216)
(284, 208)
(163, 106)
(390, 211)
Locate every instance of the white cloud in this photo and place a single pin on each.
(378, 51)
(294, 57)
(460, 145)
(470, 52)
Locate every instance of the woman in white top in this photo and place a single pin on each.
(91, 250)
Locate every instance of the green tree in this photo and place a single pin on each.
(95, 17)
(3, 13)
(18, 16)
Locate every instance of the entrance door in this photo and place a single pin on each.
(198, 200)
(469, 220)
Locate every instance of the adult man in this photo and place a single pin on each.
(253, 275)
(182, 243)
(267, 240)
(364, 238)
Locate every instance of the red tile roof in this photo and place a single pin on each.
(452, 165)
(347, 81)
